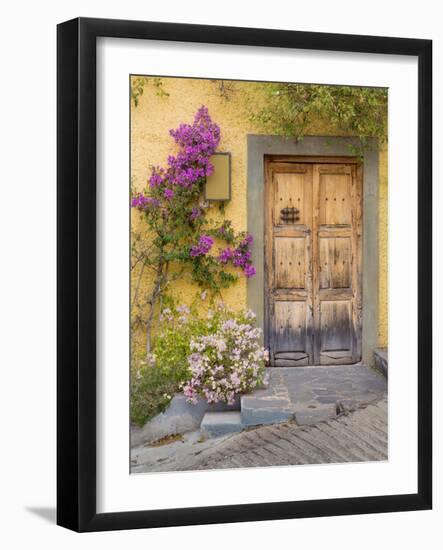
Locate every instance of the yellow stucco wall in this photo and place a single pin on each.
(151, 144)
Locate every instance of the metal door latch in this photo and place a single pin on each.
(290, 214)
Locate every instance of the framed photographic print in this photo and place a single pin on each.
(244, 274)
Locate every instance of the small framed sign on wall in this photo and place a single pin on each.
(218, 184)
(233, 261)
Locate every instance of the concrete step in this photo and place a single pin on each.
(261, 407)
(217, 424)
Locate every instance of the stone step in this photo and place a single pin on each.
(308, 415)
(381, 360)
(179, 417)
(307, 395)
(264, 408)
(223, 407)
(217, 424)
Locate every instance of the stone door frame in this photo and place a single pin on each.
(258, 147)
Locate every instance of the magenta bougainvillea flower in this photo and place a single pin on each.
(197, 142)
(168, 193)
(142, 202)
(240, 256)
(204, 246)
(249, 270)
(225, 255)
(175, 211)
(195, 213)
(205, 243)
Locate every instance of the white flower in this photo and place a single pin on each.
(226, 362)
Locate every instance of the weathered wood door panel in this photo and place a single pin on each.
(313, 262)
(288, 263)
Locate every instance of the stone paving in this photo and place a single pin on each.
(309, 415)
(361, 436)
(312, 394)
(179, 454)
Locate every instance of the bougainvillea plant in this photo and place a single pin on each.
(178, 239)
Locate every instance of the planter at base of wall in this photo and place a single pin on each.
(178, 418)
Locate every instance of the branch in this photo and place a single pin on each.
(134, 301)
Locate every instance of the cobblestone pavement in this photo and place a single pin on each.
(359, 436)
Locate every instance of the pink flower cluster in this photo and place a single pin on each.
(195, 213)
(240, 256)
(197, 143)
(142, 202)
(175, 190)
(204, 246)
(226, 363)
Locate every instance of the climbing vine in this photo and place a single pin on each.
(293, 110)
(138, 86)
(177, 238)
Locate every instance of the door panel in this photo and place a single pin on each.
(290, 262)
(335, 196)
(335, 325)
(293, 190)
(290, 342)
(312, 262)
(290, 319)
(335, 262)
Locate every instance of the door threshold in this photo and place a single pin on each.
(359, 364)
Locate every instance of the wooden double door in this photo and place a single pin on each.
(313, 243)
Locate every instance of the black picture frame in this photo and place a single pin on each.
(76, 281)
